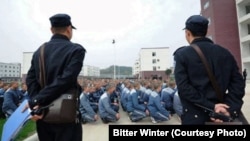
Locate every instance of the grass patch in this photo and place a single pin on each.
(2, 121)
(28, 129)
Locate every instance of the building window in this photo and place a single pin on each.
(158, 60)
(206, 5)
(154, 61)
(153, 53)
(249, 48)
(159, 67)
(154, 68)
(247, 9)
(248, 28)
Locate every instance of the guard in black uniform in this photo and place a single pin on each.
(63, 62)
(194, 86)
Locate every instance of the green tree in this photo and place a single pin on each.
(168, 72)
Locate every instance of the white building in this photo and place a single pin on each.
(153, 62)
(10, 70)
(243, 10)
(136, 67)
(88, 70)
(27, 56)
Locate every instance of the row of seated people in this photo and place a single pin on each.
(149, 98)
(11, 96)
(104, 98)
(160, 101)
(138, 99)
(100, 99)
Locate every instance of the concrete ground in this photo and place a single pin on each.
(99, 131)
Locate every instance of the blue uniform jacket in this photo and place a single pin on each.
(194, 85)
(133, 102)
(167, 95)
(2, 91)
(154, 104)
(146, 95)
(63, 63)
(12, 98)
(97, 94)
(104, 106)
(85, 105)
(124, 96)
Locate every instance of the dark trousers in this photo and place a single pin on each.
(59, 132)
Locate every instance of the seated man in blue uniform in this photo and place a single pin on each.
(124, 95)
(12, 99)
(92, 99)
(148, 92)
(157, 112)
(114, 101)
(167, 96)
(106, 112)
(98, 91)
(135, 110)
(4, 88)
(87, 112)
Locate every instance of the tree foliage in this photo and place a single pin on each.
(122, 70)
(168, 72)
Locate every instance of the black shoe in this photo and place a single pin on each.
(130, 119)
(105, 121)
(84, 121)
(135, 120)
(172, 112)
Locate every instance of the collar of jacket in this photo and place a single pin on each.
(59, 36)
(202, 39)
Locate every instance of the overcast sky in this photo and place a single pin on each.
(134, 24)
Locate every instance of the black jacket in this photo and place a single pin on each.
(194, 85)
(63, 63)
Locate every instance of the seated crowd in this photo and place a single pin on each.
(139, 99)
(103, 98)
